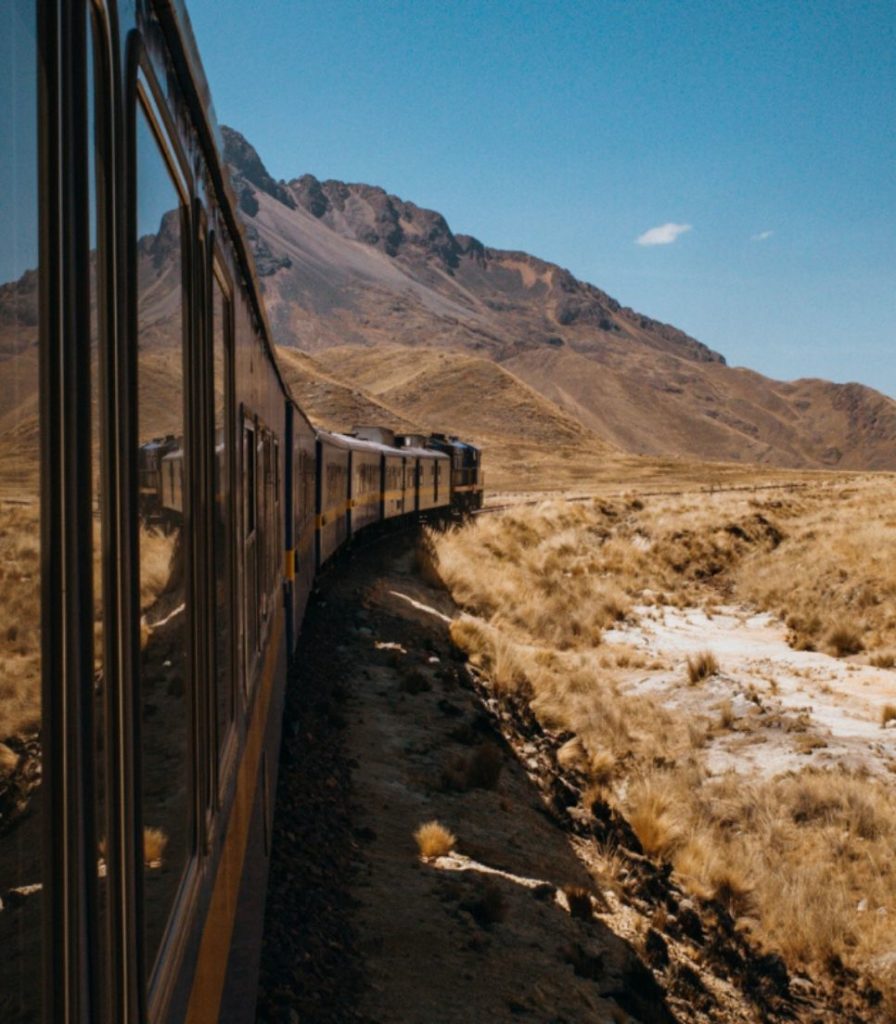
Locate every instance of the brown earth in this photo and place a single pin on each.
(530, 445)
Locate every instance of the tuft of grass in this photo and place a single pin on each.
(844, 639)
(579, 902)
(884, 659)
(887, 714)
(159, 566)
(650, 815)
(726, 715)
(733, 890)
(9, 759)
(155, 842)
(427, 560)
(434, 840)
(701, 666)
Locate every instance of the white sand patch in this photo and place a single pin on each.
(770, 708)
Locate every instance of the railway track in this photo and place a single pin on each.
(746, 488)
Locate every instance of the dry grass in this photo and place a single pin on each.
(434, 840)
(20, 628)
(155, 842)
(157, 564)
(844, 639)
(701, 665)
(579, 902)
(888, 714)
(804, 860)
(20, 600)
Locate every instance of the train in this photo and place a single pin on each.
(165, 508)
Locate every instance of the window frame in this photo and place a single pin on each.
(158, 981)
(224, 748)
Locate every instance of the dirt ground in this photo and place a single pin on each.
(386, 728)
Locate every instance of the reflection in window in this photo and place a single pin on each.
(164, 695)
(250, 540)
(94, 80)
(20, 679)
(221, 533)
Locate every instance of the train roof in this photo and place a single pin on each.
(427, 453)
(355, 443)
(362, 444)
(447, 441)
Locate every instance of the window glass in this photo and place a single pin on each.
(20, 639)
(94, 85)
(222, 516)
(250, 552)
(164, 691)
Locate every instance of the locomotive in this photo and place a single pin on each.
(164, 507)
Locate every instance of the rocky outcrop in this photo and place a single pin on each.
(249, 170)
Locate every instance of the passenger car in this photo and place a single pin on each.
(165, 505)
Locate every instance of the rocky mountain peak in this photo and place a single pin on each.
(248, 171)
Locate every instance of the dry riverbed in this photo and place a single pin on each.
(783, 710)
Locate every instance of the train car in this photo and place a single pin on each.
(366, 484)
(138, 759)
(333, 478)
(394, 488)
(149, 473)
(300, 517)
(467, 479)
(430, 472)
(164, 505)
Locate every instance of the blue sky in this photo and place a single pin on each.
(757, 137)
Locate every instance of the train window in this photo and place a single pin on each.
(263, 456)
(221, 533)
(276, 540)
(97, 227)
(20, 552)
(164, 695)
(250, 545)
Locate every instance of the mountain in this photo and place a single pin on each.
(350, 265)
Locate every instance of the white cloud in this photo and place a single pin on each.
(665, 234)
(761, 237)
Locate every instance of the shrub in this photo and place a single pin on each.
(434, 840)
(701, 666)
(844, 639)
(888, 713)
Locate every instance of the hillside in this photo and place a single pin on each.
(522, 433)
(349, 265)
